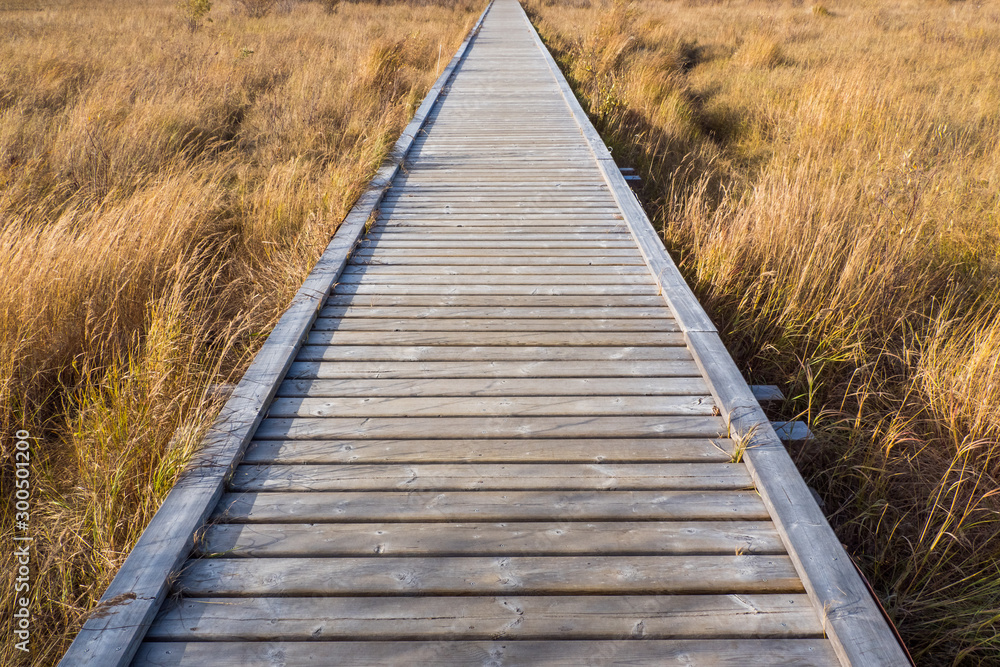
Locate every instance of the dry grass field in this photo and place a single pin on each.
(828, 176)
(167, 178)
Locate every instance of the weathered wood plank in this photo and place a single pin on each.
(489, 353)
(526, 292)
(359, 506)
(641, 386)
(767, 393)
(483, 272)
(388, 575)
(491, 211)
(496, 260)
(457, 278)
(792, 431)
(567, 450)
(492, 301)
(498, 312)
(489, 369)
(526, 188)
(542, 231)
(582, 199)
(499, 338)
(485, 325)
(579, 223)
(622, 255)
(490, 477)
(491, 235)
(492, 406)
(623, 653)
(500, 246)
(364, 428)
(527, 617)
(490, 539)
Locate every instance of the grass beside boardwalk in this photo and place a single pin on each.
(167, 179)
(828, 176)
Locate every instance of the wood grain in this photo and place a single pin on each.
(535, 575)
(621, 653)
(484, 618)
(359, 506)
(497, 450)
(539, 538)
(489, 476)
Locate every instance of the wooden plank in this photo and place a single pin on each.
(491, 477)
(792, 431)
(767, 393)
(385, 230)
(487, 249)
(477, 191)
(330, 370)
(492, 211)
(499, 338)
(490, 539)
(444, 506)
(477, 246)
(492, 234)
(363, 428)
(536, 575)
(418, 197)
(497, 260)
(497, 209)
(490, 174)
(498, 312)
(494, 301)
(492, 177)
(528, 188)
(616, 387)
(578, 222)
(527, 293)
(491, 406)
(130, 602)
(489, 234)
(488, 353)
(497, 450)
(487, 326)
(526, 617)
(598, 221)
(630, 653)
(486, 271)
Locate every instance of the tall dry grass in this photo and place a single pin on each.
(828, 178)
(165, 185)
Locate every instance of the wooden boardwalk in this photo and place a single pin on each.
(502, 441)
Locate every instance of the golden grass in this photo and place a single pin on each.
(163, 192)
(827, 177)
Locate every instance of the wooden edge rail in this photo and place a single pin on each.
(851, 618)
(115, 628)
